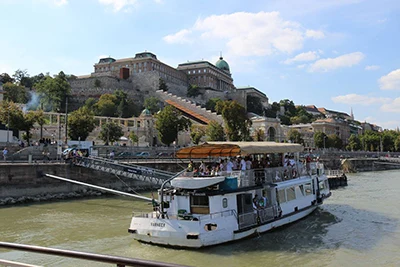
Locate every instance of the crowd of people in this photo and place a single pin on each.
(229, 164)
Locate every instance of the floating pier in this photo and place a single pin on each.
(336, 178)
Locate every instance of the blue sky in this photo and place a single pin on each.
(337, 54)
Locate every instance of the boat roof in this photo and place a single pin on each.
(232, 149)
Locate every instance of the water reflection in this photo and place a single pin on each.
(329, 227)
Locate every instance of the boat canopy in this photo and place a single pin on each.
(232, 149)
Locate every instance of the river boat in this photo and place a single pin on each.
(194, 210)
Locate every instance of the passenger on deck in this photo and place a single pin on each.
(255, 202)
(229, 165)
(190, 166)
(221, 166)
(242, 164)
(202, 167)
(248, 163)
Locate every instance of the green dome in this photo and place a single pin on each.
(146, 112)
(222, 64)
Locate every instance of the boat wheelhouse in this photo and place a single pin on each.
(198, 209)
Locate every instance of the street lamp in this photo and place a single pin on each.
(8, 123)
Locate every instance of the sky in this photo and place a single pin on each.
(342, 55)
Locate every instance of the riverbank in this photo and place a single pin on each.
(22, 183)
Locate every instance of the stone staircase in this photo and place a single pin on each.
(196, 110)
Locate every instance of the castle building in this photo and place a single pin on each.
(209, 76)
(200, 73)
(142, 62)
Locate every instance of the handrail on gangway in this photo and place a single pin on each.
(119, 261)
(138, 172)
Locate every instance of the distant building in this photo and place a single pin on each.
(306, 131)
(335, 126)
(142, 62)
(206, 75)
(332, 114)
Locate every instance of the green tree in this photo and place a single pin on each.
(211, 103)
(27, 122)
(320, 139)
(54, 92)
(193, 91)
(133, 137)
(125, 106)
(90, 104)
(259, 135)
(335, 141)
(169, 123)
(397, 143)
(39, 118)
(254, 105)
(5, 78)
(106, 106)
(162, 85)
(236, 121)
(272, 112)
(15, 93)
(152, 104)
(354, 143)
(197, 132)
(80, 123)
(110, 132)
(97, 83)
(215, 132)
(20, 76)
(295, 136)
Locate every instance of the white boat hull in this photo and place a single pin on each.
(179, 233)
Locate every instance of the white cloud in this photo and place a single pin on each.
(390, 81)
(307, 56)
(380, 21)
(372, 67)
(392, 106)
(246, 34)
(355, 99)
(302, 66)
(315, 34)
(327, 64)
(180, 37)
(118, 5)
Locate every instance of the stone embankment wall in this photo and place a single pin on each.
(367, 164)
(19, 183)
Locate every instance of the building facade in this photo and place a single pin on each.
(206, 75)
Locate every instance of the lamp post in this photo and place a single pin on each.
(8, 123)
(66, 119)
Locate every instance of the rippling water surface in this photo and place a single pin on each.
(357, 226)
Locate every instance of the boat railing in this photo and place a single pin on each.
(247, 219)
(255, 177)
(268, 213)
(188, 216)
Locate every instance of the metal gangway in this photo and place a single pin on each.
(132, 171)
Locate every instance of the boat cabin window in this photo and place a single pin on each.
(290, 194)
(281, 195)
(308, 189)
(322, 185)
(199, 205)
(301, 189)
(224, 202)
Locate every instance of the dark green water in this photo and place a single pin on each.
(357, 226)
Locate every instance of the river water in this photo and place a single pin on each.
(357, 226)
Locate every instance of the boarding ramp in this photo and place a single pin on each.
(137, 172)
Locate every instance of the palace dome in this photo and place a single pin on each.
(146, 112)
(222, 64)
